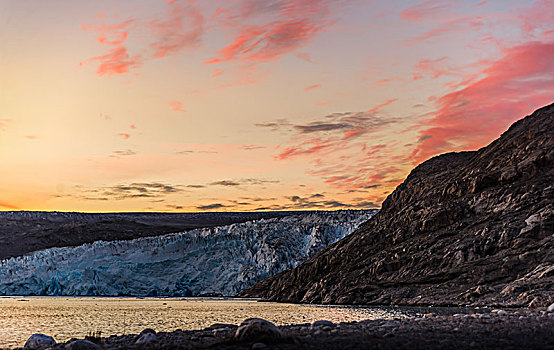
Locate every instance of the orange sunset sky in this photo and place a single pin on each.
(239, 105)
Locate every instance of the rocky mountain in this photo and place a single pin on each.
(22, 232)
(208, 261)
(470, 228)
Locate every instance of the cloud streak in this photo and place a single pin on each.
(181, 27)
(243, 182)
(4, 123)
(470, 117)
(266, 31)
(133, 190)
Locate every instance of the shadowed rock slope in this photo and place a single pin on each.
(469, 228)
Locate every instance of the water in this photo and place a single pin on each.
(75, 317)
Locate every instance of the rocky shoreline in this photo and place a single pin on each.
(497, 329)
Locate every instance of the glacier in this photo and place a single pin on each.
(211, 261)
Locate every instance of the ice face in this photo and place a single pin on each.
(222, 260)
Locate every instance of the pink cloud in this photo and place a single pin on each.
(133, 126)
(353, 133)
(117, 61)
(183, 27)
(4, 124)
(114, 34)
(433, 68)
(472, 116)
(124, 135)
(304, 56)
(267, 32)
(460, 24)
(379, 106)
(8, 206)
(311, 87)
(336, 149)
(105, 116)
(217, 73)
(426, 10)
(537, 19)
(177, 106)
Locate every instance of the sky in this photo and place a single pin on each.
(244, 105)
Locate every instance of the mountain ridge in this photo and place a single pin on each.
(466, 228)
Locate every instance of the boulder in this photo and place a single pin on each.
(258, 330)
(39, 341)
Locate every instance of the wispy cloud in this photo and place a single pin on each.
(4, 123)
(182, 26)
(265, 31)
(121, 153)
(116, 61)
(296, 202)
(195, 186)
(129, 191)
(349, 126)
(252, 147)
(312, 87)
(243, 182)
(8, 206)
(426, 10)
(304, 56)
(274, 125)
(177, 106)
(212, 206)
(512, 86)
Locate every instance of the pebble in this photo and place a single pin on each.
(39, 341)
(257, 329)
(221, 325)
(322, 323)
(550, 308)
(82, 345)
(257, 346)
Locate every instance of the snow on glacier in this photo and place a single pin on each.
(223, 259)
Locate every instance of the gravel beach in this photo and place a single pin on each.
(497, 329)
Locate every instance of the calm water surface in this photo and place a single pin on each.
(68, 317)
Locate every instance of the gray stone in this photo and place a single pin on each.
(39, 341)
(222, 325)
(550, 308)
(258, 346)
(146, 338)
(322, 323)
(82, 344)
(257, 329)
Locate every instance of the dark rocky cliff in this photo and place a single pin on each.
(469, 228)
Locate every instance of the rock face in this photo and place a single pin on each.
(468, 228)
(202, 262)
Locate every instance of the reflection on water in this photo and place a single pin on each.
(68, 317)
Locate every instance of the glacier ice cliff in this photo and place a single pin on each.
(222, 260)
